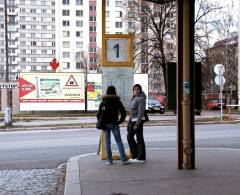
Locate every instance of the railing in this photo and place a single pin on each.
(229, 110)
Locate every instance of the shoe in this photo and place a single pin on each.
(127, 162)
(137, 161)
(109, 163)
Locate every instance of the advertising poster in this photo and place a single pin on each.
(94, 90)
(51, 91)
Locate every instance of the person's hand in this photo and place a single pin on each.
(135, 127)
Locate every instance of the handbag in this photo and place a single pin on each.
(100, 121)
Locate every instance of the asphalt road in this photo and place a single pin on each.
(49, 148)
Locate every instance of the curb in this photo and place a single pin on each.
(72, 184)
(93, 125)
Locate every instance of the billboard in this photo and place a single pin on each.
(94, 90)
(51, 91)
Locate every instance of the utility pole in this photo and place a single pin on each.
(8, 112)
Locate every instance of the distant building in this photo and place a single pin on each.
(223, 52)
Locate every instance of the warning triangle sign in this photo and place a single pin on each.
(25, 87)
(71, 81)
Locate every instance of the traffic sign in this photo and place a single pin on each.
(218, 79)
(219, 69)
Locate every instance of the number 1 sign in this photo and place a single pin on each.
(118, 50)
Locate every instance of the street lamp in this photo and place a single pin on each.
(8, 111)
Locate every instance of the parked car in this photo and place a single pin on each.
(215, 104)
(154, 105)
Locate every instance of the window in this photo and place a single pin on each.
(79, 44)
(66, 23)
(79, 2)
(93, 60)
(23, 26)
(33, 43)
(80, 54)
(66, 65)
(93, 49)
(131, 24)
(79, 12)
(66, 54)
(92, 28)
(79, 23)
(79, 33)
(92, 39)
(44, 51)
(92, 18)
(119, 14)
(107, 14)
(22, 10)
(92, 8)
(65, 2)
(66, 33)
(118, 24)
(66, 44)
(79, 65)
(65, 12)
(118, 3)
(44, 11)
(33, 11)
(33, 68)
(44, 27)
(107, 3)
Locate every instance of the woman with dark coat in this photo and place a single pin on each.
(110, 107)
(135, 125)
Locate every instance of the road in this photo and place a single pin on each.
(49, 148)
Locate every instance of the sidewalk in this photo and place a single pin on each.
(217, 173)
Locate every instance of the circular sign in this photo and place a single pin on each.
(218, 78)
(219, 69)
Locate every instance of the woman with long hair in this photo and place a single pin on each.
(109, 108)
(135, 125)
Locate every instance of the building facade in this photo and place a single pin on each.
(68, 30)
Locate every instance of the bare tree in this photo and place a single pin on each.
(224, 51)
(153, 25)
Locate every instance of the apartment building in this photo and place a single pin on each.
(31, 35)
(68, 30)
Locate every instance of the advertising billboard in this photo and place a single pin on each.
(94, 90)
(51, 91)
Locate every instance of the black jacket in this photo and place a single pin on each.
(111, 106)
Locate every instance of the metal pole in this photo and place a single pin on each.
(6, 44)
(86, 98)
(220, 84)
(8, 112)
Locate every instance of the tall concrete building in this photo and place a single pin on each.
(31, 35)
(68, 30)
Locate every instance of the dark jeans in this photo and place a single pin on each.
(137, 147)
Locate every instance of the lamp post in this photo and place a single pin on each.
(7, 112)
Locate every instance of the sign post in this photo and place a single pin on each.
(117, 64)
(219, 69)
